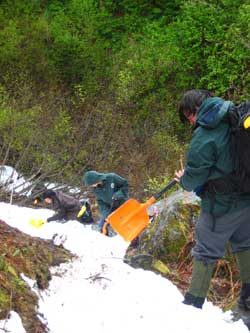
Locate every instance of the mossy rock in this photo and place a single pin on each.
(21, 253)
(163, 240)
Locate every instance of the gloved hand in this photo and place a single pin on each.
(198, 190)
(118, 195)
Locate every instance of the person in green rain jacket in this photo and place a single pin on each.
(110, 189)
(223, 217)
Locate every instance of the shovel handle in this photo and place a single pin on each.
(165, 189)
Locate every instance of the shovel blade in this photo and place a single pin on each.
(130, 219)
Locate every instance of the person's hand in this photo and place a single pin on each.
(178, 175)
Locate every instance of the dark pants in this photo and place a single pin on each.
(233, 227)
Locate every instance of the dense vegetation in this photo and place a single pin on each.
(96, 83)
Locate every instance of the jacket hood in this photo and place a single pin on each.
(48, 194)
(212, 111)
(93, 177)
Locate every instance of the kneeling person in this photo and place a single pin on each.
(67, 207)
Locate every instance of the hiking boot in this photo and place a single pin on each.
(244, 304)
(195, 301)
(201, 276)
(239, 312)
(244, 300)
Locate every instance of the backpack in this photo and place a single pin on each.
(237, 182)
(86, 217)
(239, 118)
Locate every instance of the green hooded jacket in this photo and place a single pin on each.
(111, 194)
(209, 156)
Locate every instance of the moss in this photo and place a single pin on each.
(159, 266)
(174, 238)
(21, 253)
(4, 303)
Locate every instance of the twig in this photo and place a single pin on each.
(97, 276)
(181, 162)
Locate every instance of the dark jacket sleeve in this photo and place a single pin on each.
(104, 209)
(60, 214)
(121, 186)
(200, 159)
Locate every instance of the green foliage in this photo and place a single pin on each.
(75, 47)
(91, 83)
(4, 303)
(229, 71)
(156, 184)
(33, 139)
(202, 46)
(22, 40)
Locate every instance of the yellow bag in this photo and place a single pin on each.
(81, 211)
(246, 122)
(37, 223)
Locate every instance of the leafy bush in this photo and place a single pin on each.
(96, 84)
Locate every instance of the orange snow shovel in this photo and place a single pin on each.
(131, 218)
